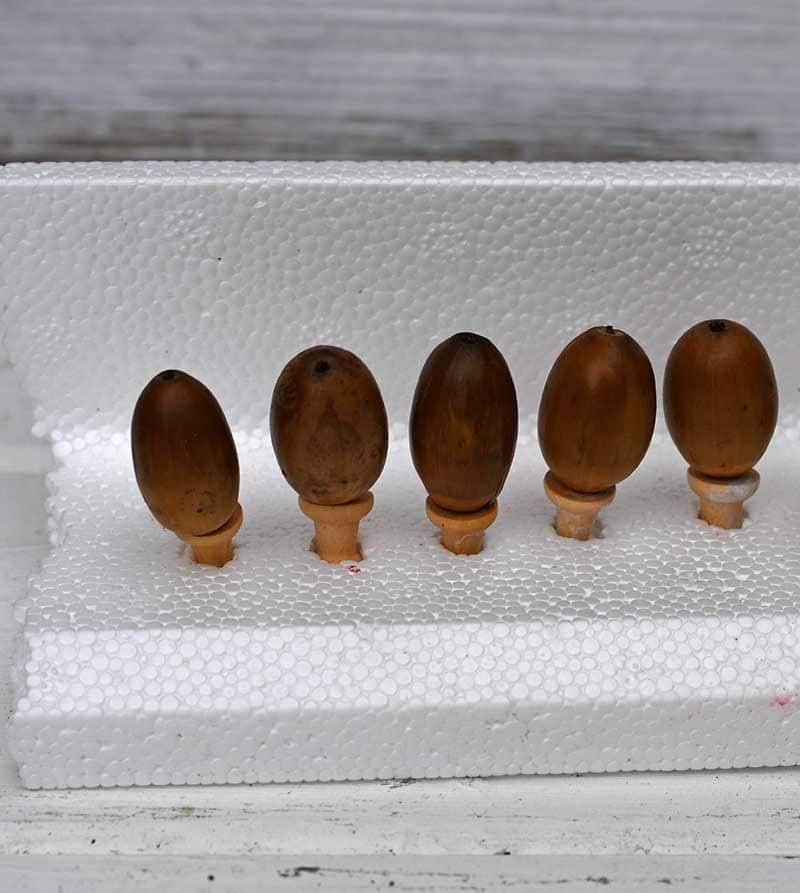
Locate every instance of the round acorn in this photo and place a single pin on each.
(596, 419)
(463, 431)
(721, 406)
(330, 434)
(186, 465)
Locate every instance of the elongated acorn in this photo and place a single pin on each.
(186, 465)
(330, 435)
(721, 406)
(596, 420)
(463, 431)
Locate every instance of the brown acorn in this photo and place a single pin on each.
(330, 435)
(721, 405)
(463, 432)
(186, 465)
(596, 419)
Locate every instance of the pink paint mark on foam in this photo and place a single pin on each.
(354, 569)
(785, 699)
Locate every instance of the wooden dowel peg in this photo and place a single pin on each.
(215, 548)
(576, 513)
(722, 499)
(462, 532)
(336, 528)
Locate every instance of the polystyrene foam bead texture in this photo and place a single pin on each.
(664, 644)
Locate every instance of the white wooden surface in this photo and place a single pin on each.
(566, 874)
(734, 831)
(538, 80)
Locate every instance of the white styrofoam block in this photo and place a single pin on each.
(665, 644)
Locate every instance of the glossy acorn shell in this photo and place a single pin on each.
(720, 398)
(328, 424)
(597, 411)
(463, 424)
(184, 456)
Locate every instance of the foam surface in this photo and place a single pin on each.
(665, 644)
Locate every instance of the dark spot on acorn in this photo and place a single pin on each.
(322, 367)
(610, 330)
(717, 325)
(168, 375)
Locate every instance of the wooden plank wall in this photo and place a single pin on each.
(452, 79)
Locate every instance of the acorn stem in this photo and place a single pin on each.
(336, 528)
(722, 499)
(215, 548)
(462, 532)
(575, 512)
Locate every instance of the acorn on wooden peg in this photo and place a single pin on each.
(186, 465)
(330, 435)
(721, 405)
(463, 432)
(596, 419)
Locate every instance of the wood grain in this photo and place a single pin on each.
(309, 79)
(422, 874)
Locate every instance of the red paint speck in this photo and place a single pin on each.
(785, 699)
(354, 569)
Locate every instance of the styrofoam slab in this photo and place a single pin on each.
(666, 644)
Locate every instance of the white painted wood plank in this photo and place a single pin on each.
(351, 79)
(746, 812)
(567, 874)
